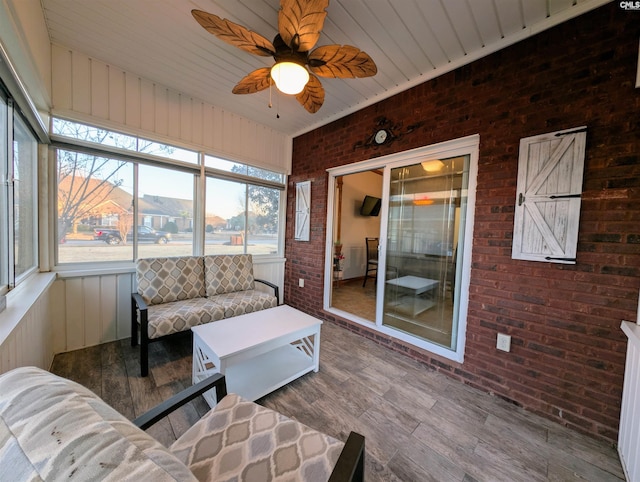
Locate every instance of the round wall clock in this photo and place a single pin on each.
(381, 136)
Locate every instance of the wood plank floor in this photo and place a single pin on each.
(419, 424)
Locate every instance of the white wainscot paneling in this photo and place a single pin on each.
(94, 309)
(26, 326)
(270, 270)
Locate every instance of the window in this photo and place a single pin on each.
(231, 228)
(165, 211)
(25, 201)
(121, 198)
(4, 215)
(95, 197)
(238, 168)
(18, 196)
(118, 140)
(262, 219)
(97, 214)
(225, 217)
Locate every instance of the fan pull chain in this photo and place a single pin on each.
(277, 101)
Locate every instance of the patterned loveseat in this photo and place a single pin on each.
(53, 429)
(175, 294)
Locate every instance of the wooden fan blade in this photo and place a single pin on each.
(254, 82)
(312, 97)
(343, 61)
(300, 22)
(234, 34)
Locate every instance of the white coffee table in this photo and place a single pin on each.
(258, 352)
(413, 286)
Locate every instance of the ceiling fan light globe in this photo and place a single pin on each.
(289, 77)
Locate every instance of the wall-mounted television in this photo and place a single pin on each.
(370, 206)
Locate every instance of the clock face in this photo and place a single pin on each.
(381, 136)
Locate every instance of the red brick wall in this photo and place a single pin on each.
(568, 352)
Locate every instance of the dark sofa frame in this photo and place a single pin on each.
(138, 305)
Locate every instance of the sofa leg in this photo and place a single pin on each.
(144, 342)
(144, 358)
(134, 323)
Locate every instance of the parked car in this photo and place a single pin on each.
(145, 235)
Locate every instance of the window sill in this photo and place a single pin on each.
(82, 270)
(99, 269)
(21, 299)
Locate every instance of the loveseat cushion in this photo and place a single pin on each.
(241, 440)
(241, 302)
(228, 273)
(163, 280)
(178, 316)
(54, 429)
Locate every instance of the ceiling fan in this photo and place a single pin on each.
(299, 26)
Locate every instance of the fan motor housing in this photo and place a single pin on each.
(284, 53)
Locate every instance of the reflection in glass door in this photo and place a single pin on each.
(426, 220)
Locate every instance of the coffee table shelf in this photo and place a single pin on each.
(258, 352)
(407, 294)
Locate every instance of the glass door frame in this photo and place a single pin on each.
(458, 147)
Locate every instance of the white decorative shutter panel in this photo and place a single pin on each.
(303, 199)
(550, 169)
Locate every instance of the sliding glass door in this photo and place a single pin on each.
(419, 291)
(426, 211)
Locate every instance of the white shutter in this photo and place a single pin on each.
(547, 213)
(303, 199)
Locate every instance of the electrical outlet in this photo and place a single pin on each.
(301, 282)
(504, 342)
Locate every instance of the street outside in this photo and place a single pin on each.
(82, 248)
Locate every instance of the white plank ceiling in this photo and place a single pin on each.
(411, 41)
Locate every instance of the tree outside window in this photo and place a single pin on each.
(88, 189)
